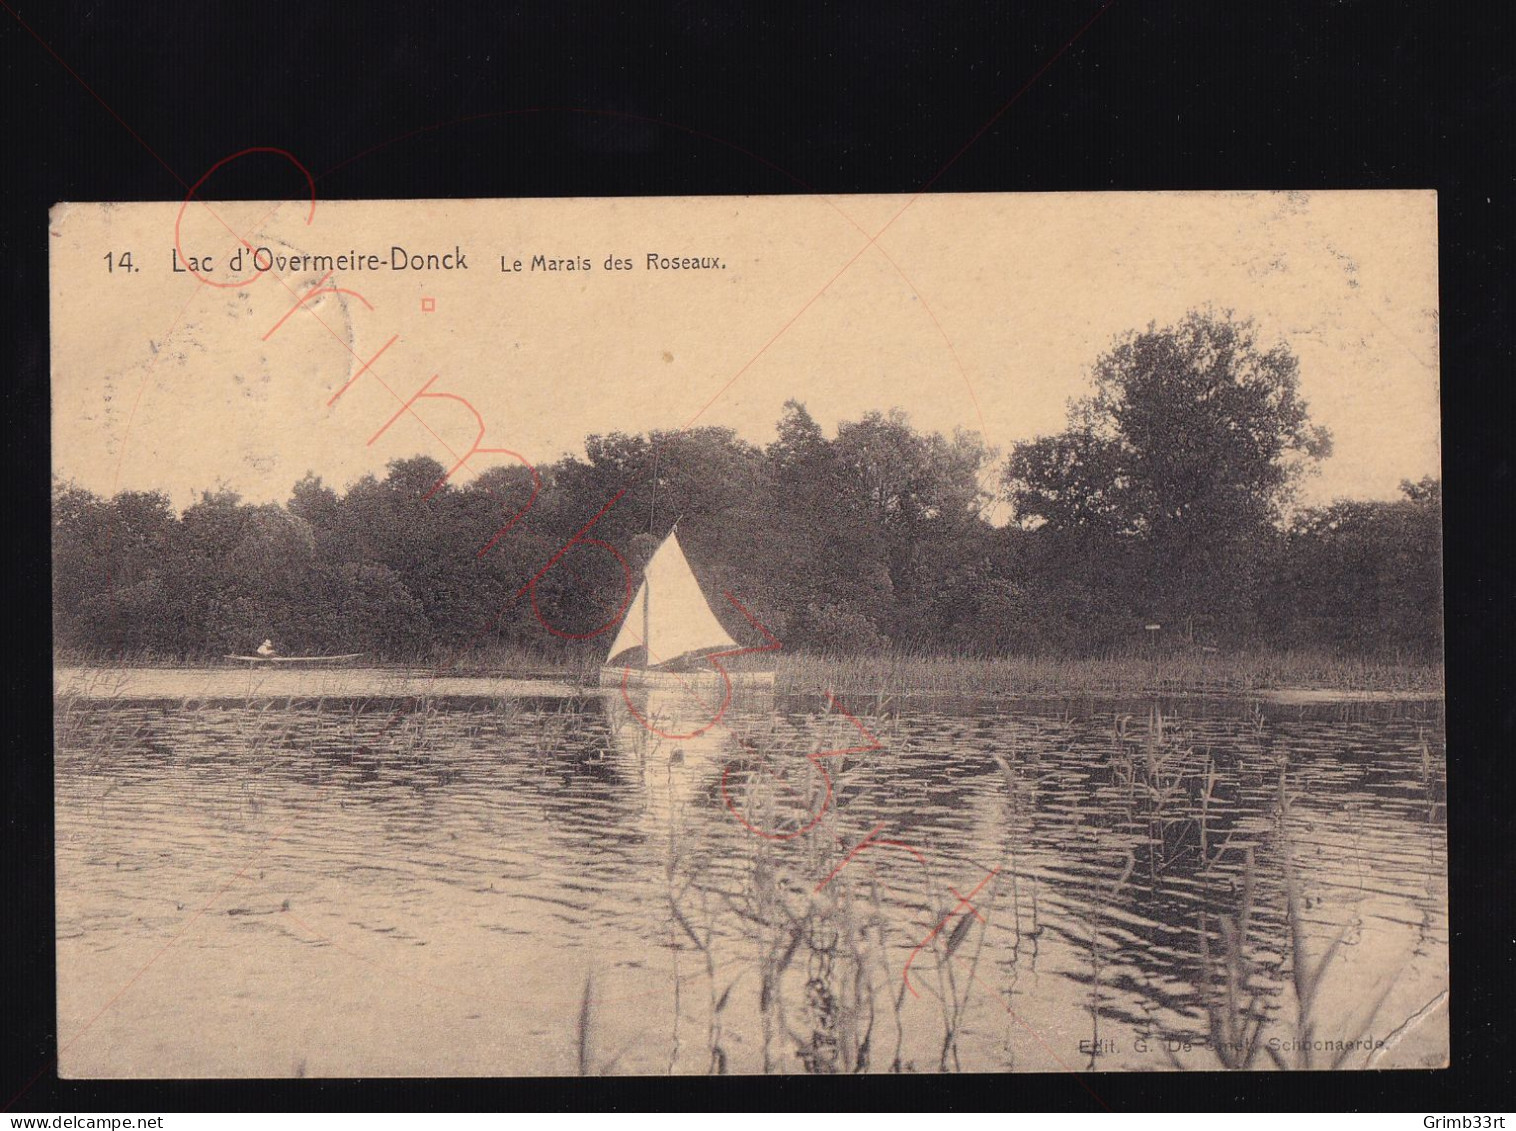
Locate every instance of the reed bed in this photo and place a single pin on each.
(809, 954)
(1192, 672)
(904, 672)
(1258, 979)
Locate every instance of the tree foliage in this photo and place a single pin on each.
(1167, 498)
(1185, 456)
(1361, 575)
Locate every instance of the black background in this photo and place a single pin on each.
(711, 97)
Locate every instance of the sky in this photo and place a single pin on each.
(984, 312)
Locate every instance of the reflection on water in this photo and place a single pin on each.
(371, 885)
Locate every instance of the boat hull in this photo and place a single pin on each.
(296, 659)
(699, 681)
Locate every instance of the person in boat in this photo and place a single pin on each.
(266, 648)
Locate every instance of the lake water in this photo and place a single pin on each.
(360, 874)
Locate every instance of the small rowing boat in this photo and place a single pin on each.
(296, 659)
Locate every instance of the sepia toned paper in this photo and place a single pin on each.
(923, 831)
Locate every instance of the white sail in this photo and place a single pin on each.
(674, 609)
(630, 635)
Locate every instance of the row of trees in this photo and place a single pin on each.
(1167, 500)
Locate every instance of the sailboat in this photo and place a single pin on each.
(669, 628)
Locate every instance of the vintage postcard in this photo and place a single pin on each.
(748, 635)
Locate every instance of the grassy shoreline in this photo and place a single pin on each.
(907, 673)
(1194, 673)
